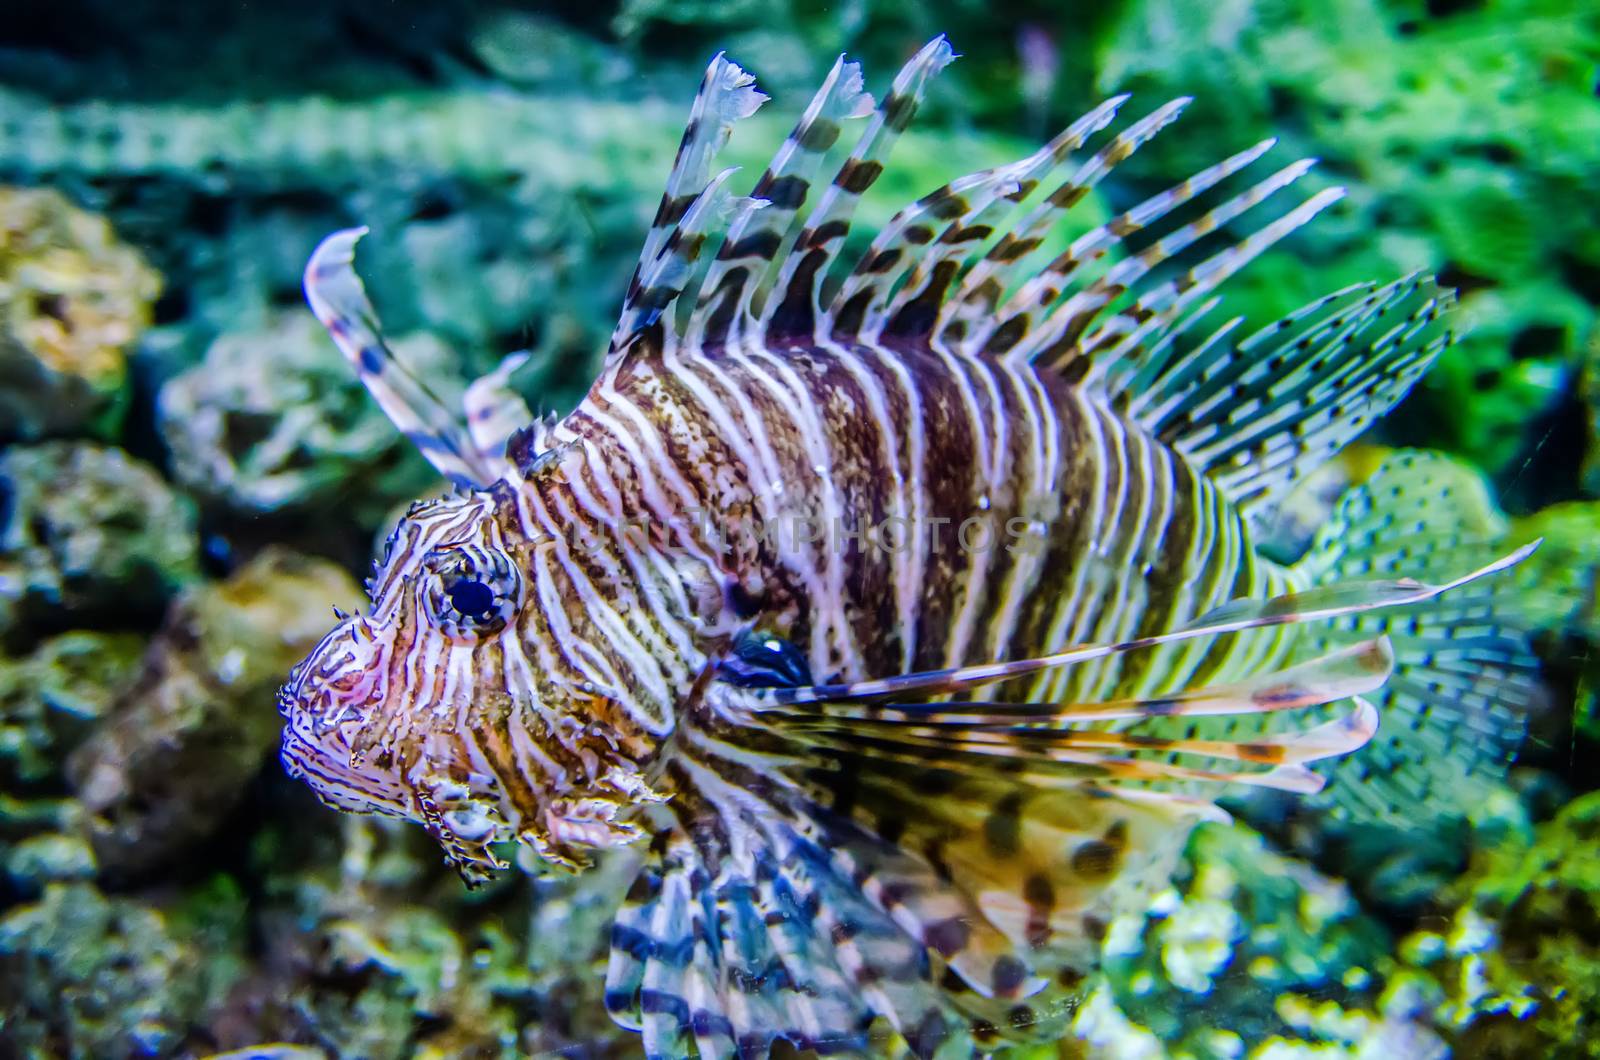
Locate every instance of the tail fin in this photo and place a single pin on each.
(1455, 710)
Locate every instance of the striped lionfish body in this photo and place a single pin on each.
(905, 617)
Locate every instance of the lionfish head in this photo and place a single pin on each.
(377, 717)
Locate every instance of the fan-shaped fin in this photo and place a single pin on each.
(1465, 680)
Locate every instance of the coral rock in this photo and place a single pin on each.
(87, 530)
(86, 975)
(1517, 970)
(178, 747)
(276, 419)
(1248, 947)
(50, 699)
(73, 300)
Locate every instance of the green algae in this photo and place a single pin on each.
(1517, 969)
(89, 533)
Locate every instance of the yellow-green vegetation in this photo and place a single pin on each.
(1469, 141)
(1517, 970)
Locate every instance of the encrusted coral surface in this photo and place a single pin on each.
(72, 300)
(88, 531)
(175, 750)
(275, 419)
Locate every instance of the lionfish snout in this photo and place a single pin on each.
(331, 703)
(341, 680)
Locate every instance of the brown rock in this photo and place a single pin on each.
(177, 749)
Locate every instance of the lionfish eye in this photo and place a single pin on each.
(471, 597)
(473, 592)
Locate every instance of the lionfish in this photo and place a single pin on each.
(903, 615)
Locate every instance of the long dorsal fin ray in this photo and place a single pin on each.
(1097, 241)
(968, 204)
(664, 278)
(795, 307)
(996, 274)
(1065, 327)
(755, 241)
(340, 302)
(727, 95)
(1124, 329)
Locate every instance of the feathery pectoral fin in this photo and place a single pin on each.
(836, 850)
(743, 930)
(1465, 680)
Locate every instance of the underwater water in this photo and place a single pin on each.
(193, 477)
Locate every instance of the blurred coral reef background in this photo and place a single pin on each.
(190, 478)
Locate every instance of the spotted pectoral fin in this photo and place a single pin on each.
(1465, 681)
(339, 301)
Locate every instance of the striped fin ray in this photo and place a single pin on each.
(1043, 747)
(1330, 398)
(1354, 670)
(1289, 394)
(338, 299)
(664, 278)
(1043, 870)
(755, 240)
(727, 95)
(794, 307)
(1338, 600)
(1060, 342)
(969, 204)
(495, 411)
(1064, 329)
(749, 924)
(975, 300)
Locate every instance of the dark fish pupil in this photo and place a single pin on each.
(471, 598)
